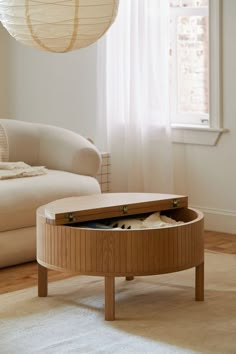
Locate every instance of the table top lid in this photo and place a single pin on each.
(107, 205)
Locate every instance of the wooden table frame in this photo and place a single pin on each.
(110, 288)
(116, 253)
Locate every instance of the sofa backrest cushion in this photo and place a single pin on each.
(22, 139)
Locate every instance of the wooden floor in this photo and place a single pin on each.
(220, 242)
(24, 276)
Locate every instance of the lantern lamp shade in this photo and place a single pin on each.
(57, 25)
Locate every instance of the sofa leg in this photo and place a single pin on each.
(42, 281)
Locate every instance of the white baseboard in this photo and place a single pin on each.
(218, 219)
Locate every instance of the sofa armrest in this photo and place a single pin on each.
(61, 149)
(50, 146)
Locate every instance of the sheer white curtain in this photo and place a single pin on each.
(133, 122)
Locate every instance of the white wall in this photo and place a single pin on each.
(3, 73)
(50, 88)
(208, 174)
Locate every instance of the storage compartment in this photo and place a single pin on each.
(162, 219)
(122, 252)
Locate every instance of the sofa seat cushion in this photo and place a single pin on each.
(21, 197)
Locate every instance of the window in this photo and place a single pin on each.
(181, 37)
(195, 71)
(189, 62)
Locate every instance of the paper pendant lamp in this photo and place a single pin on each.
(56, 25)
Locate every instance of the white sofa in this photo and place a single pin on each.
(72, 163)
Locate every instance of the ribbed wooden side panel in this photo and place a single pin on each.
(120, 252)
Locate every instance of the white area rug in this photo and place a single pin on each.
(155, 314)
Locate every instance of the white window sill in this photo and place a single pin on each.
(196, 135)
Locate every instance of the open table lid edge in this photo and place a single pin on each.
(109, 205)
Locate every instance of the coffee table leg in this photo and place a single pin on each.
(42, 281)
(109, 298)
(199, 283)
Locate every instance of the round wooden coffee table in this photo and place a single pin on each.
(118, 252)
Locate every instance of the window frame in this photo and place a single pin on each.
(182, 118)
(208, 134)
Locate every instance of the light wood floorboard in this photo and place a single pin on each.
(220, 242)
(25, 275)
